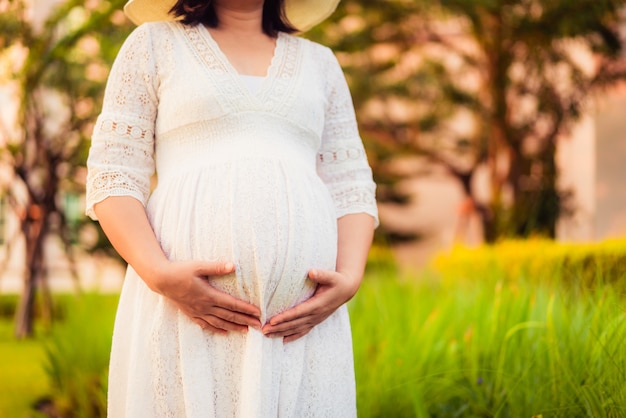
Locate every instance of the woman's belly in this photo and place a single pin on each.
(273, 220)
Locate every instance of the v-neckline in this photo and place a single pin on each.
(276, 91)
(235, 75)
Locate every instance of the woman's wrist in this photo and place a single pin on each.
(157, 276)
(352, 283)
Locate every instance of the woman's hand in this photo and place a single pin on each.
(355, 232)
(333, 290)
(186, 284)
(124, 220)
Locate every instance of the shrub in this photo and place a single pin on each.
(77, 357)
(577, 265)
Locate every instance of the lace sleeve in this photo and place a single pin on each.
(341, 161)
(121, 158)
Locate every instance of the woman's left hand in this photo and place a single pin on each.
(333, 290)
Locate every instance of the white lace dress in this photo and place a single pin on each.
(254, 178)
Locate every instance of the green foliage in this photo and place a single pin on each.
(574, 266)
(60, 372)
(381, 259)
(22, 379)
(77, 357)
(484, 345)
(534, 56)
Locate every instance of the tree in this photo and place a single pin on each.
(518, 73)
(59, 84)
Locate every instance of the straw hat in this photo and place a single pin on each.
(303, 14)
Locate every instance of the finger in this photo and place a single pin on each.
(236, 317)
(327, 277)
(296, 312)
(216, 269)
(295, 326)
(287, 327)
(238, 305)
(208, 327)
(219, 323)
(226, 301)
(294, 337)
(307, 308)
(295, 331)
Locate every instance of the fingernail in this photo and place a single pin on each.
(229, 266)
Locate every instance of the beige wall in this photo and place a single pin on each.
(576, 159)
(610, 196)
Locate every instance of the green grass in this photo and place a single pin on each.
(488, 347)
(23, 379)
(498, 341)
(77, 356)
(44, 366)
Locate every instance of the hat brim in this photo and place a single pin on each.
(303, 14)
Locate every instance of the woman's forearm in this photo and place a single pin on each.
(124, 221)
(355, 233)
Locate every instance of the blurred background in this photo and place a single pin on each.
(496, 130)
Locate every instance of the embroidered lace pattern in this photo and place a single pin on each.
(121, 159)
(238, 180)
(341, 161)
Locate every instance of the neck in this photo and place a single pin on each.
(243, 16)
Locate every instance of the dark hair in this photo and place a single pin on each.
(194, 12)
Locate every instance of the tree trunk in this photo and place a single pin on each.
(497, 154)
(34, 230)
(538, 202)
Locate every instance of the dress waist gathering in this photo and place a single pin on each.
(216, 142)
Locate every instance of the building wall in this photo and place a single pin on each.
(576, 159)
(610, 195)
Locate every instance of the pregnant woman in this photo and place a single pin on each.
(242, 256)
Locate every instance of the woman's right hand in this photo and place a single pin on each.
(186, 284)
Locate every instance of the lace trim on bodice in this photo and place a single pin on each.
(217, 69)
(281, 75)
(122, 155)
(285, 75)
